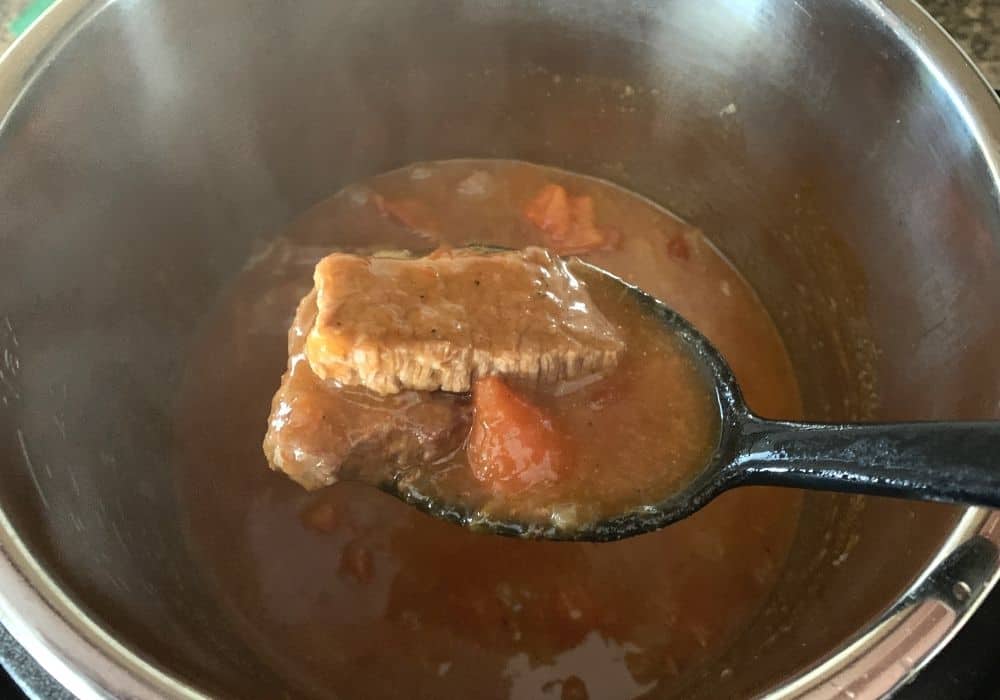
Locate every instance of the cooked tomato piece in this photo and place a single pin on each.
(568, 223)
(550, 211)
(412, 213)
(514, 444)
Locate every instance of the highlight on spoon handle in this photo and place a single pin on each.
(934, 461)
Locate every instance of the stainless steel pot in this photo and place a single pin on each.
(842, 152)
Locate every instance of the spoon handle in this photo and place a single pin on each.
(930, 461)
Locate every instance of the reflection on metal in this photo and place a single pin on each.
(889, 654)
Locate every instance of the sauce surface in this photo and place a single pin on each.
(357, 595)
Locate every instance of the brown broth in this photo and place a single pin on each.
(354, 594)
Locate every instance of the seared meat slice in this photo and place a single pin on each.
(319, 433)
(442, 321)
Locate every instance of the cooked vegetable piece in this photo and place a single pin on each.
(514, 445)
(410, 213)
(568, 223)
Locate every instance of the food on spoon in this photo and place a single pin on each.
(442, 321)
(383, 354)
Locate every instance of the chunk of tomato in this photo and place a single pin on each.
(514, 444)
(568, 224)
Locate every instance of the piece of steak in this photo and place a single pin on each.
(319, 433)
(441, 321)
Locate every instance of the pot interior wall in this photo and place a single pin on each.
(164, 141)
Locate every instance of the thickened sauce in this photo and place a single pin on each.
(354, 594)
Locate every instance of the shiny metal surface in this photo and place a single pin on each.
(842, 152)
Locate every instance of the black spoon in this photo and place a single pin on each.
(955, 462)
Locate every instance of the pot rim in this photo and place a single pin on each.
(90, 663)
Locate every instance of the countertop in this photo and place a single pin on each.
(968, 668)
(976, 26)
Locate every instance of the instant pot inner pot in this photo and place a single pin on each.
(168, 138)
